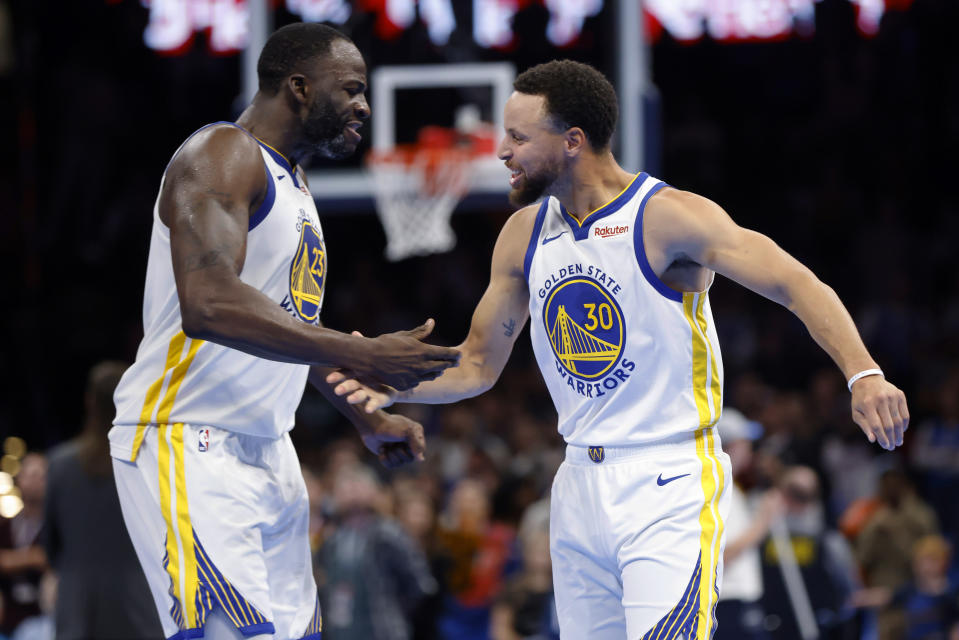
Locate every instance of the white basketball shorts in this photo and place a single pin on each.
(219, 520)
(636, 539)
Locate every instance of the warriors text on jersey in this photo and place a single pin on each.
(627, 360)
(176, 379)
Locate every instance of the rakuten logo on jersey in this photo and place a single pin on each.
(609, 231)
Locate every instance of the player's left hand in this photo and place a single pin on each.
(396, 440)
(879, 408)
(372, 397)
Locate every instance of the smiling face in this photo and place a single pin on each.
(339, 107)
(533, 148)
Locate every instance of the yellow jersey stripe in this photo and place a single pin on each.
(715, 385)
(703, 393)
(174, 351)
(717, 398)
(172, 548)
(700, 364)
(176, 379)
(718, 518)
(185, 529)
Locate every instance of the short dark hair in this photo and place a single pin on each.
(289, 47)
(577, 95)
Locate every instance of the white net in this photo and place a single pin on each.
(416, 192)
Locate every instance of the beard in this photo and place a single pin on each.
(534, 185)
(324, 132)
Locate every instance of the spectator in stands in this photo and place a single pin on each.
(929, 602)
(22, 559)
(42, 626)
(739, 611)
(824, 559)
(473, 553)
(85, 532)
(935, 454)
(884, 548)
(373, 574)
(526, 608)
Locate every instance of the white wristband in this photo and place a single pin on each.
(863, 374)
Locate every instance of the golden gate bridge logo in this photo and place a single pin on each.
(585, 327)
(307, 274)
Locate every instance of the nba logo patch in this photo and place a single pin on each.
(204, 441)
(596, 454)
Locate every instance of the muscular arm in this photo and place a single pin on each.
(497, 321)
(212, 186)
(684, 226)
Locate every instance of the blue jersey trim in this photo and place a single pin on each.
(640, 248)
(280, 160)
(581, 231)
(187, 634)
(534, 239)
(261, 212)
(257, 629)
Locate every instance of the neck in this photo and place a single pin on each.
(271, 121)
(595, 180)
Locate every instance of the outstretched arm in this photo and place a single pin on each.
(395, 439)
(682, 225)
(210, 190)
(499, 317)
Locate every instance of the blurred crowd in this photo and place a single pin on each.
(842, 149)
(826, 532)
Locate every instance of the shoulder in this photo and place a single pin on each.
(218, 147)
(514, 238)
(672, 202)
(682, 220)
(521, 222)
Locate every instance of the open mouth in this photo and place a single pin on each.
(351, 131)
(514, 176)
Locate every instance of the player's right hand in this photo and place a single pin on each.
(880, 410)
(402, 360)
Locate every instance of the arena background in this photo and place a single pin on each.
(838, 142)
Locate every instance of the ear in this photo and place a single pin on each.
(574, 141)
(299, 87)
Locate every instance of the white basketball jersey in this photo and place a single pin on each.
(176, 379)
(627, 360)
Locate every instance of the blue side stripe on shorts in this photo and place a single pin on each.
(219, 591)
(316, 623)
(681, 621)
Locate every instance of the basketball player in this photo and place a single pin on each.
(614, 269)
(209, 483)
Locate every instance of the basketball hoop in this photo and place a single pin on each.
(417, 187)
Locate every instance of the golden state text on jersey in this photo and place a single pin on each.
(627, 360)
(586, 329)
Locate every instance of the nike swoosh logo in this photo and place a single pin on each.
(545, 240)
(280, 177)
(664, 481)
